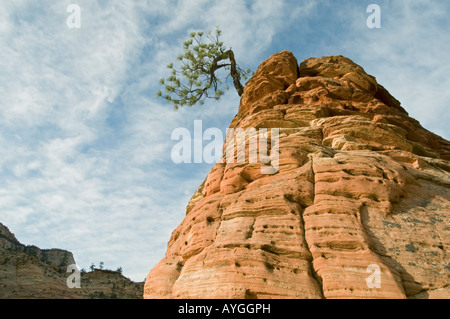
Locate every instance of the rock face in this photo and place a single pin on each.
(359, 206)
(32, 273)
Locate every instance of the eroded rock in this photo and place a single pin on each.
(359, 183)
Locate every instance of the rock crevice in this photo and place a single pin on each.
(314, 273)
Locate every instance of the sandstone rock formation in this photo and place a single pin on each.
(27, 272)
(360, 183)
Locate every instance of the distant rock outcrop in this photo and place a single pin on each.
(362, 193)
(27, 272)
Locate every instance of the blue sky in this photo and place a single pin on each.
(85, 162)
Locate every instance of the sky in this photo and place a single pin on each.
(85, 162)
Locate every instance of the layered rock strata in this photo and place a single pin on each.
(362, 192)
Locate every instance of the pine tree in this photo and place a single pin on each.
(199, 77)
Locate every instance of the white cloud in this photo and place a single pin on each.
(58, 87)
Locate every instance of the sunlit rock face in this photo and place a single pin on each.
(358, 207)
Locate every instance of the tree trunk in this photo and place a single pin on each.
(235, 74)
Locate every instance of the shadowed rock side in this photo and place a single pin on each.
(359, 183)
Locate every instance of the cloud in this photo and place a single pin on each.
(58, 86)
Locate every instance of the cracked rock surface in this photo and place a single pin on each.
(359, 183)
